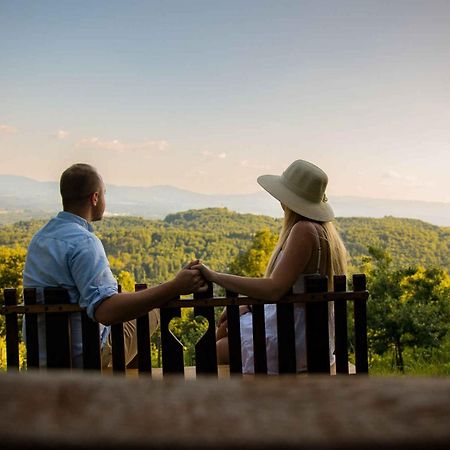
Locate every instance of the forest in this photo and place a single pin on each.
(406, 261)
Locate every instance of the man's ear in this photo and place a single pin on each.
(94, 199)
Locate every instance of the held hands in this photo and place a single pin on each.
(189, 279)
(208, 274)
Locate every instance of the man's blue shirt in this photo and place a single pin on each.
(66, 253)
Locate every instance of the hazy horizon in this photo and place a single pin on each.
(207, 95)
(256, 191)
(24, 198)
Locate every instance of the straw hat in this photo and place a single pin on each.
(301, 188)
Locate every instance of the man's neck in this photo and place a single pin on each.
(86, 215)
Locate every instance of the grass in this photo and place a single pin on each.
(420, 362)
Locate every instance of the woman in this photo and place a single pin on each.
(308, 244)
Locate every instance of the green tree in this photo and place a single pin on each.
(408, 307)
(253, 262)
(12, 261)
(126, 280)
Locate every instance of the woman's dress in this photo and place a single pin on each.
(270, 313)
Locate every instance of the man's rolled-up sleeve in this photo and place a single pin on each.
(92, 274)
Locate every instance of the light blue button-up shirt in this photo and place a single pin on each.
(66, 253)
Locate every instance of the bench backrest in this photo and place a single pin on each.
(57, 310)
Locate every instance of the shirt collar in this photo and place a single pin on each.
(69, 217)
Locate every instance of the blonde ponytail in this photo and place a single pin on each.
(290, 219)
(337, 260)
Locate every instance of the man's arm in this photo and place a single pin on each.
(98, 288)
(127, 306)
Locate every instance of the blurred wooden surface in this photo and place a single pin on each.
(82, 410)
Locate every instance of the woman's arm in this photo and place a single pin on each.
(296, 255)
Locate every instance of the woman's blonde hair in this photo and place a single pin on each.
(337, 260)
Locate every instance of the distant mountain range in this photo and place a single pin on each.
(25, 198)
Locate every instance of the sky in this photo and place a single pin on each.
(207, 95)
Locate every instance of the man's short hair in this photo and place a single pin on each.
(77, 183)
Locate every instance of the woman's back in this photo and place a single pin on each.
(317, 264)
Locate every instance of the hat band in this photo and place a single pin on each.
(301, 192)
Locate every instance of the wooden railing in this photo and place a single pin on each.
(57, 309)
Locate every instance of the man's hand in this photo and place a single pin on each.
(189, 280)
(206, 272)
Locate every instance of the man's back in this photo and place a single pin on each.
(50, 250)
(65, 253)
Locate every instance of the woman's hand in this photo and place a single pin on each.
(207, 273)
(222, 324)
(243, 309)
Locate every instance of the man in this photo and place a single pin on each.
(66, 253)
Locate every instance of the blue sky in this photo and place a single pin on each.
(207, 95)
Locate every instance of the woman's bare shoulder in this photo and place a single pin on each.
(304, 227)
(304, 233)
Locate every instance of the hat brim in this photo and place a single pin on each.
(321, 212)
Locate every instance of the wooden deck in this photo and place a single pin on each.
(80, 410)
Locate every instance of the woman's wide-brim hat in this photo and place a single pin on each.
(301, 188)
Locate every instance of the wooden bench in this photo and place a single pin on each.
(57, 310)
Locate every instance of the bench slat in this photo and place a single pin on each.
(172, 350)
(118, 346)
(118, 349)
(144, 357)
(287, 362)
(234, 336)
(12, 331)
(57, 331)
(91, 343)
(31, 329)
(205, 349)
(340, 326)
(361, 353)
(317, 336)
(259, 339)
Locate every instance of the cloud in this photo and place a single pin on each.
(61, 134)
(7, 129)
(391, 178)
(254, 165)
(392, 174)
(210, 155)
(123, 147)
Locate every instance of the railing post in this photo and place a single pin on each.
(361, 353)
(12, 331)
(317, 336)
